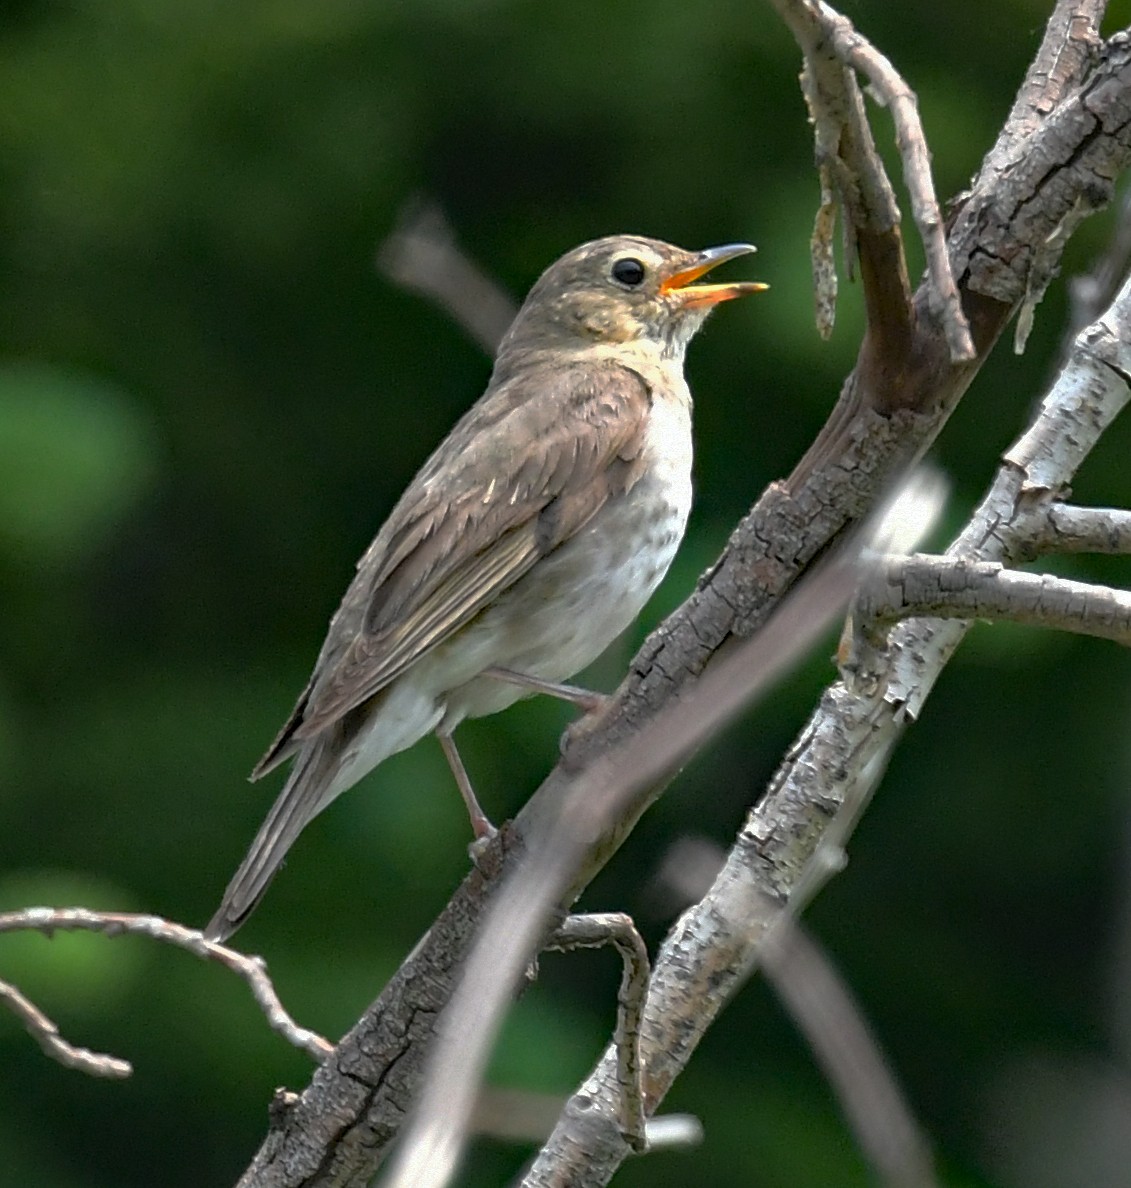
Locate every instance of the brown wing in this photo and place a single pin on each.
(522, 472)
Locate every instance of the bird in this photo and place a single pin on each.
(528, 541)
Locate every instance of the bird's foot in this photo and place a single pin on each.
(478, 848)
(574, 742)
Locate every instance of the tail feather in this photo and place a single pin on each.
(303, 796)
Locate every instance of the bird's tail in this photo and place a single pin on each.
(306, 792)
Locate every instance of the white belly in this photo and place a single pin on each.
(575, 602)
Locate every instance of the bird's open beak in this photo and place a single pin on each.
(682, 284)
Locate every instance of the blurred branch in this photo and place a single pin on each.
(421, 254)
(253, 970)
(1091, 292)
(823, 1009)
(1030, 183)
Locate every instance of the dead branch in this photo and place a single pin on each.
(1064, 528)
(887, 416)
(596, 930)
(46, 1034)
(958, 588)
(253, 970)
(794, 838)
(825, 37)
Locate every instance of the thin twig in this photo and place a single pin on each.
(46, 1034)
(852, 175)
(253, 970)
(596, 930)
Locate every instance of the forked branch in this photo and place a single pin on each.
(253, 970)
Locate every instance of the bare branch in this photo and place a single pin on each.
(1067, 51)
(852, 174)
(614, 928)
(1088, 394)
(46, 1034)
(1064, 528)
(343, 1123)
(900, 99)
(958, 588)
(522, 1116)
(819, 29)
(253, 970)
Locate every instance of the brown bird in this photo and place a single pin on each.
(527, 543)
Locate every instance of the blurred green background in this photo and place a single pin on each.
(209, 399)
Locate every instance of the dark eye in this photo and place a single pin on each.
(628, 271)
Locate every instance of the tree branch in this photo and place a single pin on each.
(793, 839)
(342, 1124)
(958, 588)
(1064, 528)
(253, 970)
(421, 254)
(46, 1034)
(596, 930)
(821, 32)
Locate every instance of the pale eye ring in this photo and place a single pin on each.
(628, 271)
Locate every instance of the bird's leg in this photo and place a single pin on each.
(586, 699)
(480, 825)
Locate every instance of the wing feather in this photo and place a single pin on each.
(521, 473)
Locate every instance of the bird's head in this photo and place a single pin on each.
(624, 289)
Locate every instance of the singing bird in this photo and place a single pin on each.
(526, 544)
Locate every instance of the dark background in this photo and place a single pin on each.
(209, 399)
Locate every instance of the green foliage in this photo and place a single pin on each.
(208, 401)
(76, 456)
(76, 974)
